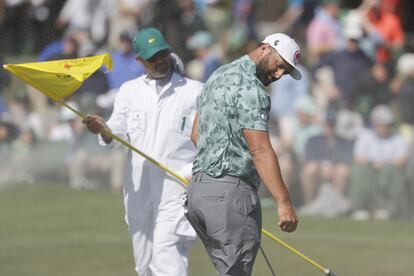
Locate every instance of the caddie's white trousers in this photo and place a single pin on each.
(161, 235)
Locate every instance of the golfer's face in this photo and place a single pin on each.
(158, 66)
(272, 67)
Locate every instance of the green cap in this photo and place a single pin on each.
(148, 42)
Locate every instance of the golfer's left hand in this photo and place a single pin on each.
(288, 221)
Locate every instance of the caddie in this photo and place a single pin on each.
(155, 113)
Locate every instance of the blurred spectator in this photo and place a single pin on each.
(345, 65)
(324, 31)
(404, 90)
(356, 23)
(128, 15)
(4, 82)
(42, 15)
(73, 44)
(65, 128)
(69, 49)
(244, 13)
(70, 130)
(125, 66)
(2, 11)
(89, 16)
(291, 151)
(216, 18)
(50, 50)
(378, 178)
(410, 175)
(21, 156)
(305, 125)
(285, 94)
(296, 18)
(392, 6)
(75, 15)
(85, 160)
(191, 20)
(403, 86)
(8, 132)
(388, 25)
(327, 162)
(177, 19)
(407, 16)
(13, 29)
(371, 88)
(206, 61)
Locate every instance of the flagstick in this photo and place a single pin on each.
(186, 182)
(80, 114)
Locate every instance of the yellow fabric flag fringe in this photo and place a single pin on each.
(60, 78)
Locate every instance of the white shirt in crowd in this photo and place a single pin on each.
(377, 149)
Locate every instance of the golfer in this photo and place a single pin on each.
(234, 155)
(155, 113)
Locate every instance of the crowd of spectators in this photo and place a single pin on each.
(344, 134)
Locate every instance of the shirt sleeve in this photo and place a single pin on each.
(253, 108)
(117, 123)
(400, 148)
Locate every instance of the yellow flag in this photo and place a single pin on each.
(60, 78)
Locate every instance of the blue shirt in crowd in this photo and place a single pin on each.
(125, 68)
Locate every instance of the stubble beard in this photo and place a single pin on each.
(261, 71)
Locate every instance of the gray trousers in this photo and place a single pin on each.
(226, 214)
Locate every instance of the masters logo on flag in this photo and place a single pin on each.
(59, 79)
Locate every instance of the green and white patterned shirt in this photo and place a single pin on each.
(232, 99)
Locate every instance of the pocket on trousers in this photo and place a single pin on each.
(211, 195)
(245, 201)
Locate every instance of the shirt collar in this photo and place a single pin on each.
(174, 78)
(248, 65)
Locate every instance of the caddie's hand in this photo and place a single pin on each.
(288, 221)
(94, 123)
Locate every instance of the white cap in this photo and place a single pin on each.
(382, 114)
(353, 32)
(288, 49)
(352, 27)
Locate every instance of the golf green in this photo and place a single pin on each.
(49, 230)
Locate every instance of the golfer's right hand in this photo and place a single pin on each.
(288, 221)
(94, 123)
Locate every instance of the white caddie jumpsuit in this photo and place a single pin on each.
(158, 124)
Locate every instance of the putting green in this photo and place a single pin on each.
(49, 230)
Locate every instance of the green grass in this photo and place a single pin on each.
(53, 230)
